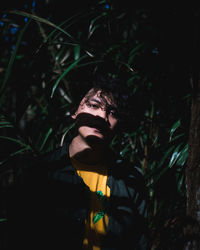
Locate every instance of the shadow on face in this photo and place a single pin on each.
(95, 122)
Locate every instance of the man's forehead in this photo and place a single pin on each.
(101, 95)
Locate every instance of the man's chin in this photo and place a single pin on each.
(96, 140)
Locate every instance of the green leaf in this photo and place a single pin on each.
(3, 220)
(65, 73)
(39, 19)
(66, 132)
(183, 156)
(166, 155)
(45, 138)
(77, 52)
(180, 182)
(16, 141)
(174, 128)
(73, 19)
(134, 52)
(7, 126)
(93, 27)
(175, 156)
(125, 150)
(13, 56)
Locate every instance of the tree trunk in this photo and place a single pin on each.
(192, 231)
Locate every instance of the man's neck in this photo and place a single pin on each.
(80, 150)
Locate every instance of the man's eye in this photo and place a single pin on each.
(113, 113)
(92, 105)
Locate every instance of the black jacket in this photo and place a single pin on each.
(48, 204)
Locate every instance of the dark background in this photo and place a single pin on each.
(160, 44)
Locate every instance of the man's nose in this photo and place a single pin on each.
(103, 114)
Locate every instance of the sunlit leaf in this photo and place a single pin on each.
(65, 73)
(40, 19)
(174, 128)
(92, 26)
(175, 156)
(76, 52)
(45, 138)
(183, 156)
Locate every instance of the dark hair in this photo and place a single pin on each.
(108, 80)
(106, 83)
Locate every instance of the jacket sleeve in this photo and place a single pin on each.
(140, 202)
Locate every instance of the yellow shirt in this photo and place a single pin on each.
(95, 177)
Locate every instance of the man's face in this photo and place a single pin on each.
(96, 116)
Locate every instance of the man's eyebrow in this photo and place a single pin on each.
(95, 100)
(100, 102)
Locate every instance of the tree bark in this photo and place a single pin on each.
(192, 229)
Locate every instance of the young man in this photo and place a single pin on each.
(81, 196)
